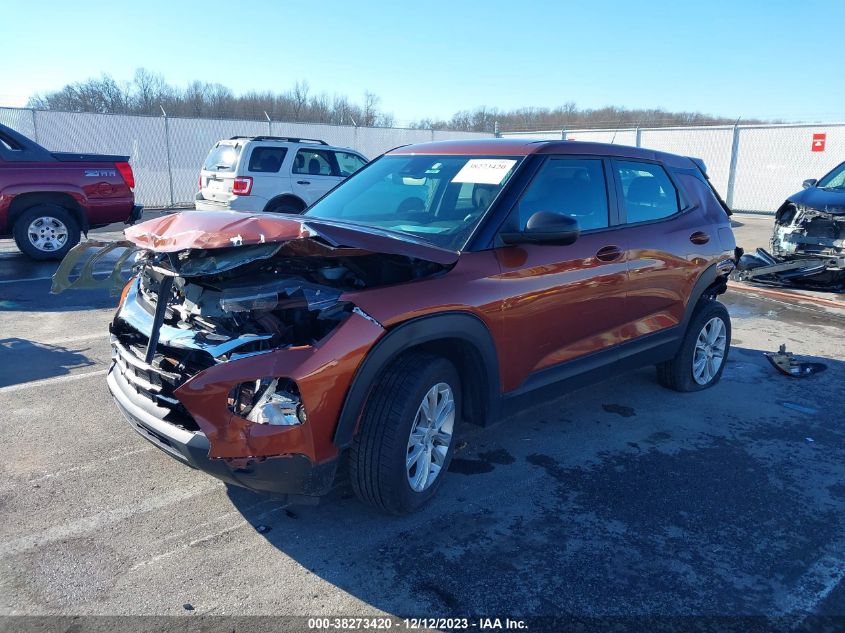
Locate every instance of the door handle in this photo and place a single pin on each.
(303, 182)
(609, 253)
(699, 237)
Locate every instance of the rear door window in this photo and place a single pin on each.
(647, 191)
(267, 160)
(314, 162)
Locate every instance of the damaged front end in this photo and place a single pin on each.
(236, 358)
(812, 241)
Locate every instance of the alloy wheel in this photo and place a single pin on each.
(709, 351)
(431, 435)
(47, 234)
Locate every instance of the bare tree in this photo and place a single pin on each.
(148, 90)
(370, 113)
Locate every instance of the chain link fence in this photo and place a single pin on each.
(754, 167)
(167, 152)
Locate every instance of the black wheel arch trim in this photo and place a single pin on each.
(410, 334)
(709, 282)
(285, 197)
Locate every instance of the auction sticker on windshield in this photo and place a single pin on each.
(485, 171)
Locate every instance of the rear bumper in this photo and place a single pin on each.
(250, 204)
(285, 474)
(135, 215)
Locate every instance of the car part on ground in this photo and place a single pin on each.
(786, 363)
(48, 199)
(435, 285)
(813, 272)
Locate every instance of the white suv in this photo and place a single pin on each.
(272, 173)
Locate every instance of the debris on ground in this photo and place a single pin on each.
(625, 412)
(798, 407)
(188, 606)
(786, 363)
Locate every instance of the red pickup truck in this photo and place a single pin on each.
(47, 199)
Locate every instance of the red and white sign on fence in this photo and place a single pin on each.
(818, 142)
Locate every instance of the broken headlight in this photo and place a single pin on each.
(273, 401)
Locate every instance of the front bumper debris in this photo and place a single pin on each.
(292, 474)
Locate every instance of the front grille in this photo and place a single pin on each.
(157, 381)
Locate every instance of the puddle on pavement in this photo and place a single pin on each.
(747, 306)
(485, 463)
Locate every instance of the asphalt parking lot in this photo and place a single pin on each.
(621, 499)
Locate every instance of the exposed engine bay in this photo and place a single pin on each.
(184, 311)
(808, 249)
(292, 299)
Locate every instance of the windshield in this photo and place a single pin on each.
(439, 199)
(223, 157)
(834, 180)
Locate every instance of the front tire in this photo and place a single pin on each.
(399, 458)
(701, 359)
(46, 231)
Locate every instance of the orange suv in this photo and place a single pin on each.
(418, 295)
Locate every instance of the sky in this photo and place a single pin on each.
(774, 59)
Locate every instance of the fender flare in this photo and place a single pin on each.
(427, 329)
(707, 280)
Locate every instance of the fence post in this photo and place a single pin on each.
(34, 126)
(269, 124)
(169, 161)
(563, 134)
(637, 137)
(432, 134)
(729, 197)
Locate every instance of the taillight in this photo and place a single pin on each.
(125, 170)
(242, 185)
(200, 183)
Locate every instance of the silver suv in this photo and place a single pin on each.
(272, 173)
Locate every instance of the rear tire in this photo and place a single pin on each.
(46, 231)
(701, 359)
(400, 456)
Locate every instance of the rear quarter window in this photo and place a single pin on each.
(267, 160)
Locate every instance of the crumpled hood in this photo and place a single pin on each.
(225, 229)
(820, 200)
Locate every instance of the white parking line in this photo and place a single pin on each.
(50, 381)
(814, 586)
(96, 523)
(208, 537)
(76, 339)
(90, 465)
(18, 281)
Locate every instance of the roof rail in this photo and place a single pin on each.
(285, 139)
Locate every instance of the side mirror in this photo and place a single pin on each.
(545, 227)
(810, 182)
